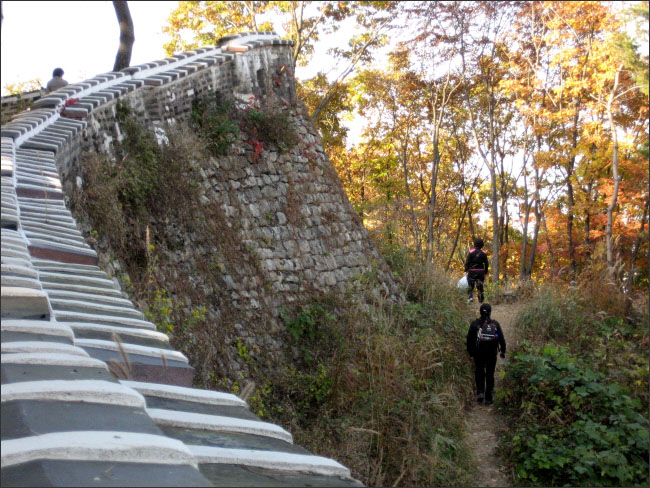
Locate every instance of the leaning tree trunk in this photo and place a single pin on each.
(612, 203)
(127, 36)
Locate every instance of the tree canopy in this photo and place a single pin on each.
(525, 123)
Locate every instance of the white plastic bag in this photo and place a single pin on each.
(462, 283)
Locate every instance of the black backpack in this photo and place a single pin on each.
(487, 333)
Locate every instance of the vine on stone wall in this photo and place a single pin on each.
(220, 119)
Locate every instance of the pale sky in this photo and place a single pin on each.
(80, 37)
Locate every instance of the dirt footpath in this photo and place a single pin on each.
(483, 421)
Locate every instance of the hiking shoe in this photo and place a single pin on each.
(480, 397)
(488, 402)
(470, 300)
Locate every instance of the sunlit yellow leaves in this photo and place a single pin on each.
(195, 24)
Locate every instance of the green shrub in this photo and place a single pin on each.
(160, 310)
(271, 125)
(138, 173)
(573, 427)
(313, 324)
(215, 117)
(219, 120)
(570, 317)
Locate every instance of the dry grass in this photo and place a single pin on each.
(389, 397)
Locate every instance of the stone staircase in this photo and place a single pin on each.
(92, 393)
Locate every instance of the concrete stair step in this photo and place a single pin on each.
(169, 355)
(43, 230)
(281, 462)
(46, 264)
(90, 297)
(64, 252)
(172, 392)
(21, 282)
(74, 279)
(46, 217)
(64, 316)
(24, 303)
(187, 420)
(55, 238)
(88, 307)
(39, 203)
(9, 252)
(42, 348)
(130, 335)
(18, 270)
(86, 289)
(38, 327)
(16, 260)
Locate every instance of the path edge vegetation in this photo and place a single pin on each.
(574, 394)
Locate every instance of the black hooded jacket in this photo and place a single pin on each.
(491, 347)
(476, 261)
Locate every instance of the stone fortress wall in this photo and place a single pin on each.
(327, 244)
(69, 332)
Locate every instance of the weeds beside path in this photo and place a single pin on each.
(483, 422)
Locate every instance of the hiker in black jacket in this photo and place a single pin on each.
(484, 339)
(476, 267)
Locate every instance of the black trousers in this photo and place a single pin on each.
(475, 278)
(484, 373)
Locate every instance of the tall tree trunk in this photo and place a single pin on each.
(637, 243)
(635, 251)
(612, 203)
(571, 199)
(432, 201)
(538, 218)
(533, 245)
(416, 233)
(127, 35)
(569, 229)
(524, 236)
(524, 231)
(587, 240)
(490, 163)
(495, 226)
(550, 247)
(362, 196)
(503, 194)
(458, 229)
(470, 221)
